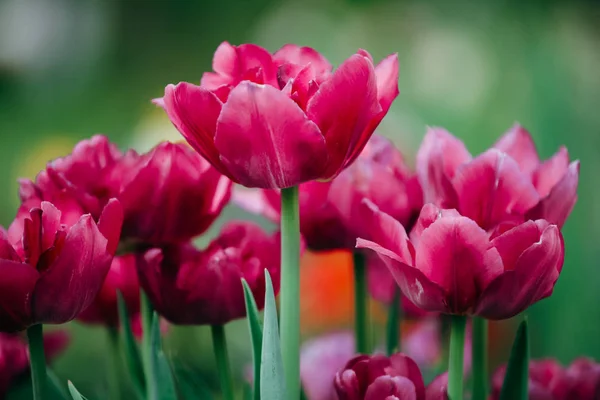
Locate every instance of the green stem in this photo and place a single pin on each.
(222, 357)
(458, 325)
(393, 324)
(361, 312)
(35, 335)
(290, 289)
(480, 359)
(146, 312)
(114, 365)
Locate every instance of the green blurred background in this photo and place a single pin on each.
(69, 69)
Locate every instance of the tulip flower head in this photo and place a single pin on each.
(380, 377)
(193, 287)
(278, 120)
(507, 183)
(548, 380)
(49, 271)
(451, 265)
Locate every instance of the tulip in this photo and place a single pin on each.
(451, 265)
(172, 195)
(438, 388)
(507, 183)
(193, 287)
(14, 357)
(121, 277)
(548, 380)
(320, 359)
(379, 377)
(275, 121)
(50, 272)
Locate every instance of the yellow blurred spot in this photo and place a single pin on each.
(41, 151)
(154, 128)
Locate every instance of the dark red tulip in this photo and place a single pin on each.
(171, 195)
(275, 121)
(451, 265)
(50, 271)
(14, 355)
(193, 287)
(320, 359)
(379, 377)
(506, 183)
(122, 277)
(548, 380)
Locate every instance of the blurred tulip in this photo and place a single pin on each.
(379, 377)
(14, 355)
(438, 388)
(121, 277)
(451, 265)
(50, 272)
(506, 183)
(548, 380)
(192, 287)
(320, 359)
(275, 121)
(172, 195)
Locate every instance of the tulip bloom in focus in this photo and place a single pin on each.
(379, 377)
(14, 357)
(122, 276)
(507, 183)
(278, 120)
(169, 194)
(50, 272)
(548, 380)
(451, 265)
(193, 287)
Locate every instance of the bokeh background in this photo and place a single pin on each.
(69, 69)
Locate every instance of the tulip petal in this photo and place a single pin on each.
(405, 366)
(75, 277)
(556, 207)
(438, 388)
(301, 56)
(17, 282)
(194, 112)
(110, 224)
(518, 144)
(550, 172)
(451, 253)
(7, 251)
(343, 108)
(280, 147)
(532, 279)
(258, 201)
(391, 387)
(492, 189)
(429, 214)
(387, 81)
(512, 243)
(438, 158)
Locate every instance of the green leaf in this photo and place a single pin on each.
(75, 395)
(393, 322)
(131, 350)
(256, 334)
(160, 383)
(190, 384)
(272, 380)
(516, 380)
(55, 390)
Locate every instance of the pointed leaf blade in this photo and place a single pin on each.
(75, 395)
(132, 352)
(256, 334)
(272, 380)
(161, 384)
(190, 385)
(516, 380)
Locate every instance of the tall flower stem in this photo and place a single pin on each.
(361, 311)
(114, 367)
(35, 336)
(480, 359)
(458, 324)
(222, 357)
(290, 289)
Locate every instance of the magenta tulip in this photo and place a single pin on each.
(380, 377)
(193, 287)
(548, 380)
(275, 121)
(507, 183)
(451, 265)
(49, 271)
